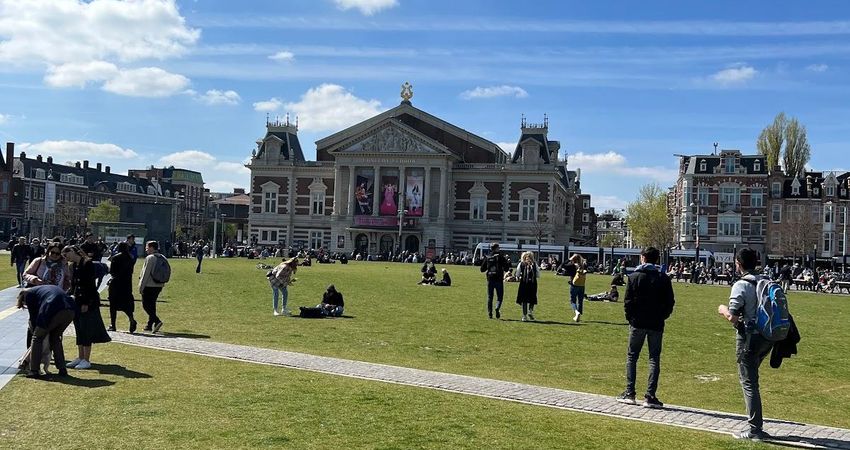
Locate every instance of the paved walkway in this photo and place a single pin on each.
(13, 334)
(787, 433)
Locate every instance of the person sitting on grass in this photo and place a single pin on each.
(510, 277)
(446, 281)
(332, 303)
(429, 273)
(611, 296)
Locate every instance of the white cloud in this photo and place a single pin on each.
(282, 56)
(219, 176)
(509, 147)
(331, 107)
(737, 75)
(270, 105)
(77, 149)
(79, 74)
(216, 97)
(366, 7)
(4, 118)
(146, 82)
(817, 68)
(71, 31)
(605, 202)
(613, 163)
(494, 91)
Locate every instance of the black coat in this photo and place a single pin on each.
(786, 347)
(121, 285)
(649, 299)
(84, 285)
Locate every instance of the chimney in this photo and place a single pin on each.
(77, 164)
(85, 164)
(10, 156)
(49, 160)
(98, 167)
(106, 169)
(38, 158)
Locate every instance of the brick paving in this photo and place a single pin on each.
(784, 432)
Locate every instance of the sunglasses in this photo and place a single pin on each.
(55, 253)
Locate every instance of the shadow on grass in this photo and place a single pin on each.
(176, 335)
(602, 322)
(81, 382)
(729, 416)
(115, 369)
(543, 322)
(796, 441)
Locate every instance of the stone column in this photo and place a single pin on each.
(376, 191)
(444, 188)
(426, 193)
(337, 190)
(401, 187)
(352, 186)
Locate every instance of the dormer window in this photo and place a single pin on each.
(830, 191)
(757, 166)
(816, 191)
(795, 187)
(730, 164)
(702, 166)
(39, 174)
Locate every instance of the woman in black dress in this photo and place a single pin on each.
(121, 286)
(527, 273)
(88, 323)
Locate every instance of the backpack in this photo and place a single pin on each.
(311, 312)
(772, 316)
(494, 266)
(161, 272)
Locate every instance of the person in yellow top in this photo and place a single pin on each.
(577, 286)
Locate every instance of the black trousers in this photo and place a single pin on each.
(149, 296)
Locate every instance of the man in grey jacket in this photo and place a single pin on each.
(149, 288)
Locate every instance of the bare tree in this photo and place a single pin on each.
(798, 234)
(540, 228)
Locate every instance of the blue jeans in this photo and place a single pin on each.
(636, 338)
(20, 268)
(577, 298)
(499, 287)
(285, 295)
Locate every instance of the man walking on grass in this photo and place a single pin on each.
(494, 267)
(149, 287)
(751, 347)
(649, 302)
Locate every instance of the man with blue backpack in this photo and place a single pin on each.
(758, 310)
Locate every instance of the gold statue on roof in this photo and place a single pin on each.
(406, 91)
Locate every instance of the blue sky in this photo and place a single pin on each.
(625, 84)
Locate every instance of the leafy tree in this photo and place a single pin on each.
(796, 151)
(105, 211)
(611, 240)
(648, 218)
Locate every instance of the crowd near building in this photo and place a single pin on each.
(406, 180)
(727, 200)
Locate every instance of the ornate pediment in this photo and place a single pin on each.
(392, 138)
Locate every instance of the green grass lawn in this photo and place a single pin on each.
(142, 398)
(395, 321)
(7, 272)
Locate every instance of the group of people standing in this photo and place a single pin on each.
(62, 287)
(496, 265)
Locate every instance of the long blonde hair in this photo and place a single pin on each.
(527, 257)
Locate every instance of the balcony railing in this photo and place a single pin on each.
(730, 206)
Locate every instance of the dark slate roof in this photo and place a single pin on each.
(291, 147)
(541, 139)
(714, 161)
(92, 178)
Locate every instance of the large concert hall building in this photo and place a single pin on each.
(453, 188)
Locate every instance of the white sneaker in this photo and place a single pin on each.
(275, 313)
(577, 317)
(83, 365)
(73, 363)
(530, 315)
(524, 319)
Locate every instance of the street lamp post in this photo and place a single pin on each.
(223, 234)
(215, 233)
(844, 240)
(694, 275)
(401, 213)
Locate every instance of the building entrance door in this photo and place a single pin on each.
(387, 243)
(361, 243)
(411, 244)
